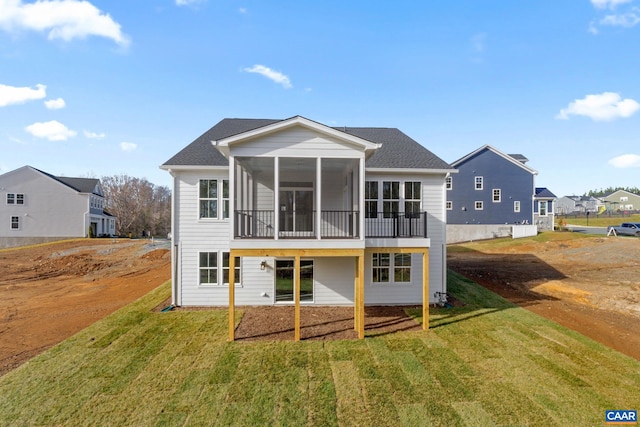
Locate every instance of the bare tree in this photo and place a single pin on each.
(139, 205)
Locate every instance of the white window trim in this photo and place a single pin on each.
(478, 205)
(478, 180)
(11, 223)
(448, 183)
(493, 195)
(516, 205)
(449, 205)
(391, 267)
(220, 270)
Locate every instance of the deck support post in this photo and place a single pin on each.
(360, 278)
(232, 302)
(425, 289)
(296, 289)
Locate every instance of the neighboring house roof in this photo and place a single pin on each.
(544, 193)
(519, 157)
(507, 157)
(81, 185)
(397, 149)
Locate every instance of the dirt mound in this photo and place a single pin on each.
(589, 285)
(53, 291)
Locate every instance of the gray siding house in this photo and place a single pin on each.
(491, 188)
(543, 209)
(277, 212)
(37, 206)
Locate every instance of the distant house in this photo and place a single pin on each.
(622, 200)
(569, 205)
(37, 206)
(543, 210)
(354, 215)
(494, 195)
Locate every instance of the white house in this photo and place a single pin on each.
(37, 206)
(351, 214)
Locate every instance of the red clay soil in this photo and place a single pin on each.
(589, 285)
(51, 292)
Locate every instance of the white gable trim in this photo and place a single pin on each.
(499, 153)
(224, 143)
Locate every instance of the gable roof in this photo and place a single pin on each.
(396, 149)
(81, 185)
(507, 157)
(544, 193)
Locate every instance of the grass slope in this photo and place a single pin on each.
(488, 363)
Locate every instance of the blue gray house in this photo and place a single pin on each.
(491, 188)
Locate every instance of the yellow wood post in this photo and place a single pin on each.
(296, 289)
(361, 297)
(232, 302)
(425, 289)
(356, 291)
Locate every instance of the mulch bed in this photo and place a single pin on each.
(276, 323)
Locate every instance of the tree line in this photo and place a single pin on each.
(609, 190)
(141, 207)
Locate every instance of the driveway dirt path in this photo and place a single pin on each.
(589, 285)
(50, 292)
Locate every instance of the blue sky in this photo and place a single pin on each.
(93, 88)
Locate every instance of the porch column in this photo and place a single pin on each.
(425, 289)
(360, 276)
(232, 289)
(296, 289)
(276, 197)
(318, 193)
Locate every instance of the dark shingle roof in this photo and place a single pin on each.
(519, 157)
(202, 153)
(397, 150)
(81, 185)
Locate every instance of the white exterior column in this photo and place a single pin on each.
(318, 197)
(276, 197)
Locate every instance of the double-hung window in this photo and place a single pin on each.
(383, 264)
(497, 195)
(208, 267)
(449, 183)
(15, 199)
(479, 183)
(516, 206)
(402, 268)
(390, 198)
(371, 199)
(208, 196)
(225, 269)
(15, 222)
(542, 208)
(412, 198)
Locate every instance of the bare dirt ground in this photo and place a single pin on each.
(589, 285)
(50, 292)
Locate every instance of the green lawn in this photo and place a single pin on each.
(603, 220)
(488, 363)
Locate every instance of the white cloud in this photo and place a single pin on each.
(62, 19)
(626, 20)
(93, 135)
(19, 95)
(55, 104)
(53, 131)
(611, 4)
(275, 76)
(606, 106)
(128, 146)
(625, 161)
